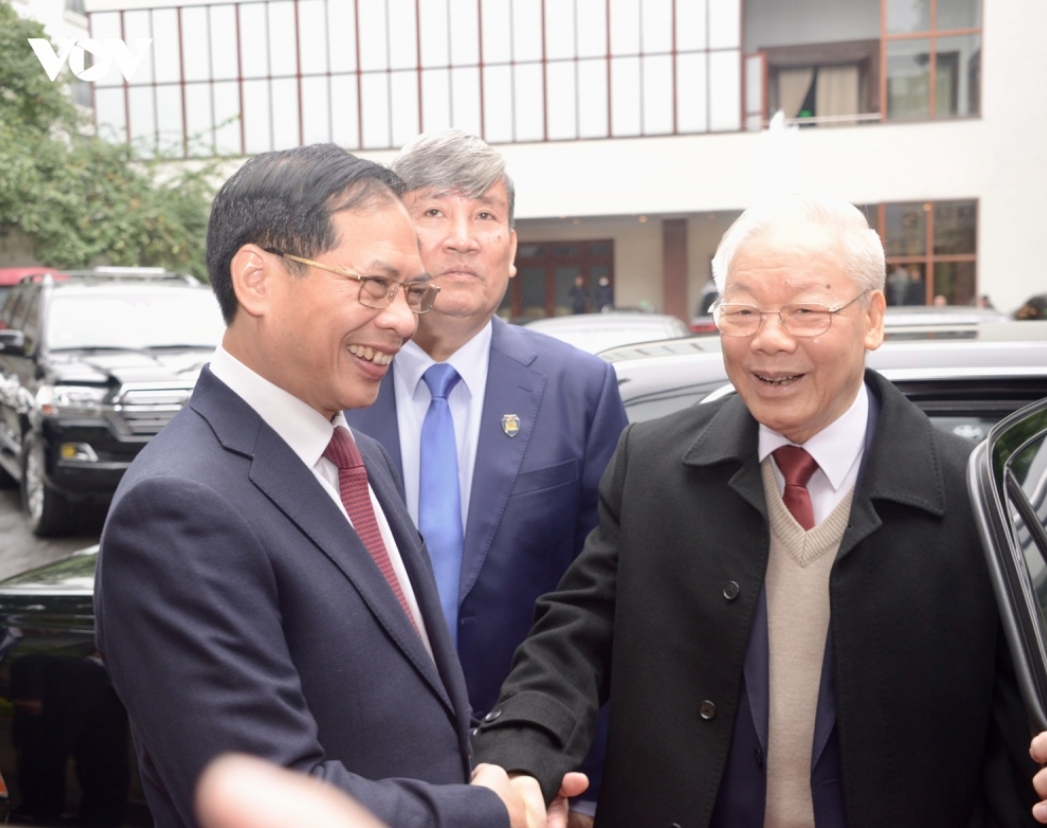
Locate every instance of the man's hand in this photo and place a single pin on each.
(1038, 751)
(524, 803)
(579, 820)
(573, 784)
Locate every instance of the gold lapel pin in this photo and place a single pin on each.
(510, 424)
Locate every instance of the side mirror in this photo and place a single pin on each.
(12, 343)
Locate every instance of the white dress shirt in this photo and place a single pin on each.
(308, 432)
(838, 450)
(466, 402)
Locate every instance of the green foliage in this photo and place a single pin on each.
(81, 200)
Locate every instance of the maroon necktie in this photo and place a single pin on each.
(797, 466)
(356, 497)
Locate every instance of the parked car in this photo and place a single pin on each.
(92, 366)
(594, 332)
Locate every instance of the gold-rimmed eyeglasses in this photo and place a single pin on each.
(376, 292)
(807, 319)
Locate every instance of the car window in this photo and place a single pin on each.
(133, 319)
(969, 408)
(14, 308)
(31, 325)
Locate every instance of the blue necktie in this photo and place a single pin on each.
(439, 499)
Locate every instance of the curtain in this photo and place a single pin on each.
(793, 85)
(836, 91)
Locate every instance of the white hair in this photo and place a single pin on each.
(862, 246)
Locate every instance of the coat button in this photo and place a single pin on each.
(494, 714)
(731, 590)
(707, 710)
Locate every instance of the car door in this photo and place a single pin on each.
(1007, 477)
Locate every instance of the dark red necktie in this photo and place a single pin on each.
(356, 497)
(797, 466)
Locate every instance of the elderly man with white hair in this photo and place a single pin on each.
(785, 599)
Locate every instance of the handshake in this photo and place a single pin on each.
(245, 792)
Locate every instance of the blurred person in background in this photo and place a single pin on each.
(579, 295)
(604, 295)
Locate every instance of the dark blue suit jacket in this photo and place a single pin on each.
(534, 495)
(237, 610)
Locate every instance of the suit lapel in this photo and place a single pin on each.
(512, 388)
(293, 489)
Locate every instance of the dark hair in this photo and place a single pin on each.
(285, 200)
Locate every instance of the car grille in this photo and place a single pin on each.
(143, 411)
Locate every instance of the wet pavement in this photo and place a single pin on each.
(21, 550)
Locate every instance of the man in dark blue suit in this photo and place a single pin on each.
(535, 421)
(261, 587)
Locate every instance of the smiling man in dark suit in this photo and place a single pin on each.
(261, 587)
(530, 422)
(785, 599)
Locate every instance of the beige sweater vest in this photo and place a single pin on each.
(797, 586)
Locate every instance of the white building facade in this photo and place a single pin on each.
(636, 130)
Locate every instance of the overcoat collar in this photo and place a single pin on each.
(294, 490)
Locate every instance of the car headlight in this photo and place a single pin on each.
(71, 400)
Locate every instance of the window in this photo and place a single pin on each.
(932, 58)
(546, 272)
(931, 252)
(822, 84)
(854, 61)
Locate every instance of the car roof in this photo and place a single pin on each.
(1001, 330)
(13, 275)
(896, 315)
(990, 350)
(595, 332)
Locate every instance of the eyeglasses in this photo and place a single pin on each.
(377, 292)
(734, 319)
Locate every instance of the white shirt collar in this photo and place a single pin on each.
(300, 425)
(470, 361)
(836, 446)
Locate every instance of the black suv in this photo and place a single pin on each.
(92, 365)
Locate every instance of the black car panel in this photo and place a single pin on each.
(65, 746)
